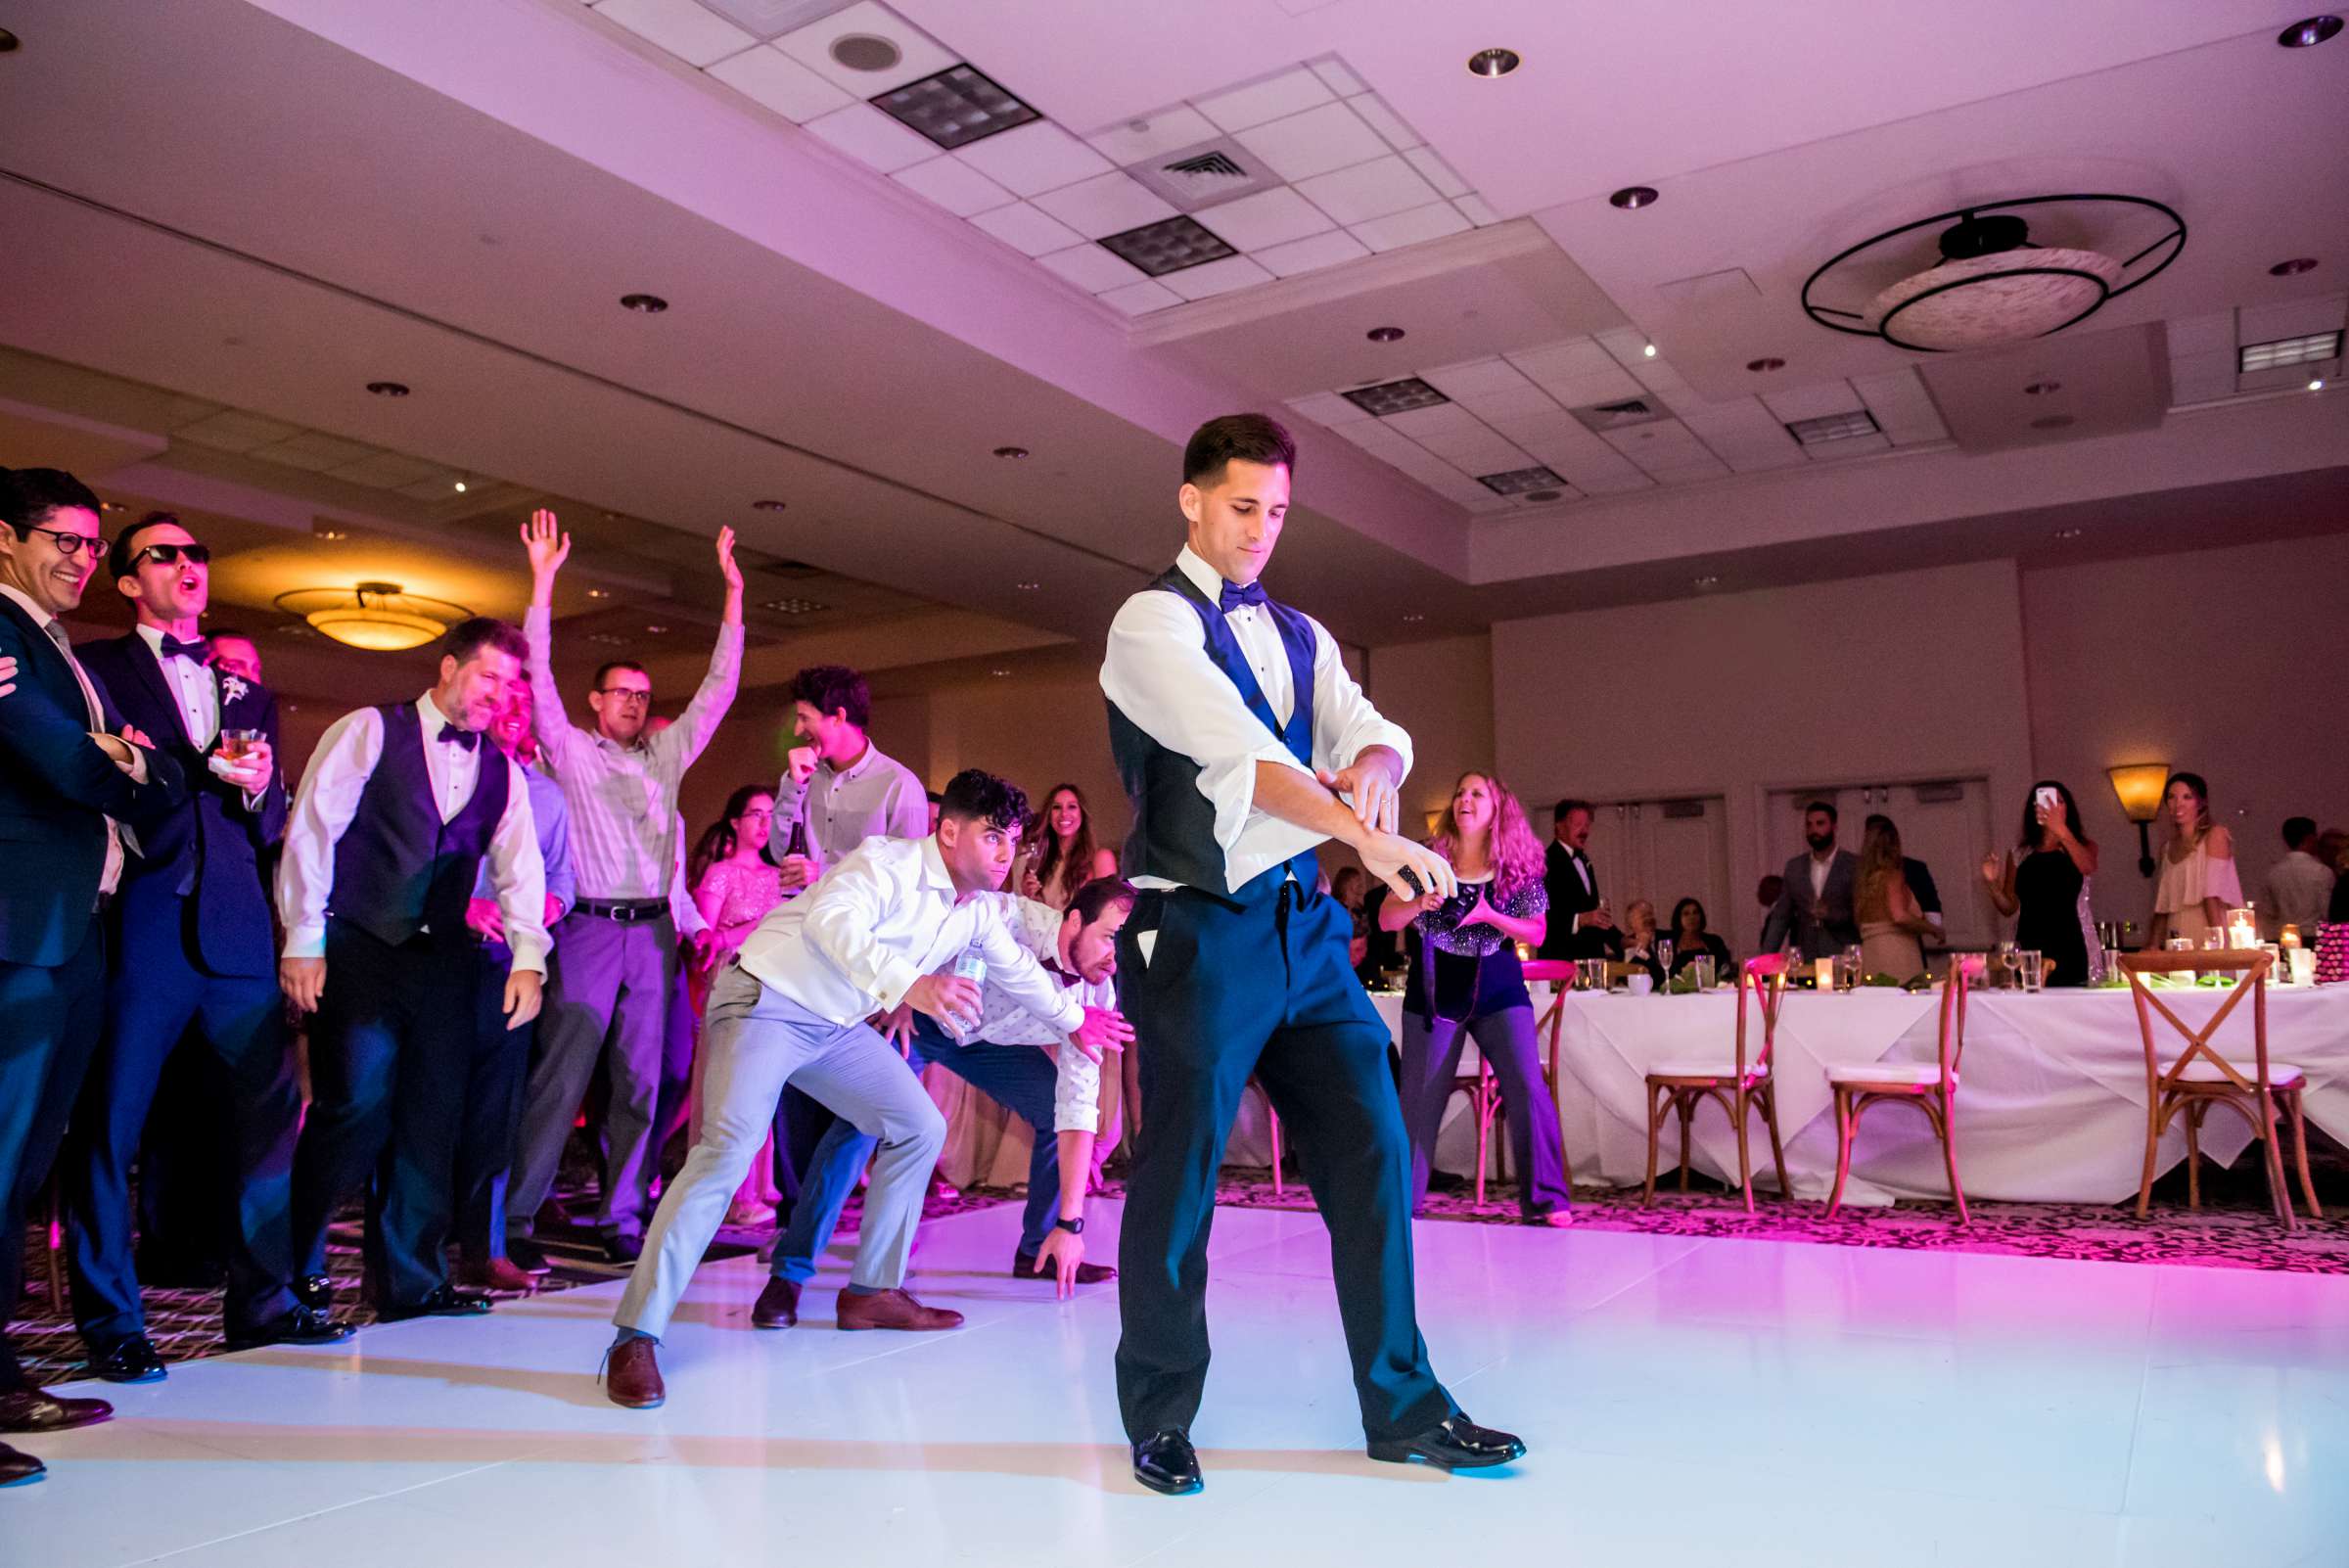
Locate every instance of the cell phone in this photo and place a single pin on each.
(2049, 799)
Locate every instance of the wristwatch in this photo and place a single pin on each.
(1074, 1227)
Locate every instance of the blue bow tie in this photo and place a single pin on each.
(1234, 596)
(467, 738)
(173, 648)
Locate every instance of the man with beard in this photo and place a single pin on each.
(1815, 898)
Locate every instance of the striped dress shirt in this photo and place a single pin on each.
(623, 799)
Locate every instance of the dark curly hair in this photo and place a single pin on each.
(833, 689)
(975, 795)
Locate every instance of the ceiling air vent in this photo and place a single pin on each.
(1619, 416)
(1203, 175)
(1833, 428)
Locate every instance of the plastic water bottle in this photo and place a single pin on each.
(970, 966)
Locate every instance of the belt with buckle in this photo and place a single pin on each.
(624, 911)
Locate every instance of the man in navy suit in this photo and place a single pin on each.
(193, 946)
(75, 780)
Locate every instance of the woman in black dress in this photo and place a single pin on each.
(2039, 881)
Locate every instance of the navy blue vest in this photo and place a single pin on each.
(398, 868)
(1174, 832)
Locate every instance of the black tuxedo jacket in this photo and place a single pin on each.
(57, 789)
(1567, 898)
(209, 847)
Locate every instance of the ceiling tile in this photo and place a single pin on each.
(1093, 269)
(1394, 232)
(771, 77)
(1564, 361)
(1815, 402)
(1328, 408)
(314, 450)
(1903, 408)
(234, 431)
(1034, 157)
(1459, 381)
(1024, 228)
(1315, 142)
(1258, 101)
(1660, 444)
(1550, 423)
(1744, 434)
(918, 53)
(955, 185)
(1419, 422)
(1486, 453)
(2193, 334)
(1265, 220)
(770, 19)
(2203, 378)
(1850, 446)
(694, 35)
(1310, 255)
(1383, 120)
(1337, 79)
(1215, 277)
(864, 133)
(1511, 403)
(1369, 191)
(1476, 210)
(1437, 172)
(2293, 318)
(436, 488)
(386, 471)
(1106, 204)
(1144, 138)
(1138, 299)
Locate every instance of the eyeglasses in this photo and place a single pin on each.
(70, 544)
(174, 554)
(624, 693)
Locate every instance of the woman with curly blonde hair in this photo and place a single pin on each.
(1465, 981)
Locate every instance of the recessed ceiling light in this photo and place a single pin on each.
(998, 671)
(956, 108)
(1708, 582)
(1413, 619)
(2318, 385)
(2294, 267)
(610, 639)
(598, 594)
(1395, 396)
(1833, 428)
(1028, 587)
(388, 389)
(1498, 62)
(2309, 33)
(1014, 452)
(1631, 197)
(795, 607)
(2040, 389)
(656, 631)
(2052, 422)
(1384, 335)
(8, 41)
(333, 535)
(2069, 534)
(1168, 244)
(768, 506)
(644, 304)
(1765, 365)
(1519, 480)
(460, 487)
(861, 51)
(1649, 352)
(2301, 351)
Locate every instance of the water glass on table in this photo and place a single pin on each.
(1701, 966)
(2032, 969)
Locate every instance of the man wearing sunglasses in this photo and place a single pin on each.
(73, 779)
(615, 952)
(192, 947)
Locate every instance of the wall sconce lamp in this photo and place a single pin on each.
(2139, 786)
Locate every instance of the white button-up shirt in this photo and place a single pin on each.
(1076, 1096)
(1159, 673)
(337, 776)
(194, 689)
(855, 943)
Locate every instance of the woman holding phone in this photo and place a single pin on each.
(2042, 882)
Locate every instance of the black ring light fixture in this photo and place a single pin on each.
(1916, 313)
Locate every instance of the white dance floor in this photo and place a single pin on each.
(1686, 1400)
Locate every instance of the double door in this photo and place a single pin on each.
(1664, 852)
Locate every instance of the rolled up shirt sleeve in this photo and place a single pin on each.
(1344, 725)
(1076, 1093)
(1160, 677)
(1013, 969)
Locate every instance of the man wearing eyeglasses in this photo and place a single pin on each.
(615, 952)
(192, 947)
(73, 777)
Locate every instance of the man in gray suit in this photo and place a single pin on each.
(1815, 908)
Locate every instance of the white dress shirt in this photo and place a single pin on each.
(1159, 673)
(855, 943)
(117, 837)
(194, 689)
(337, 776)
(1006, 1021)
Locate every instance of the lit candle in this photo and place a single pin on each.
(1822, 973)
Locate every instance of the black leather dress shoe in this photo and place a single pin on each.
(1163, 1461)
(304, 1326)
(128, 1361)
(442, 1302)
(18, 1467)
(33, 1410)
(1458, 1444)
(623, 1249)
(314, 1291)
(527, 1255)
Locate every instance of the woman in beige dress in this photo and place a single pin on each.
(1892, 926)
(2199, 882)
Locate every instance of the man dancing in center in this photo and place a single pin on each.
(1244, 742)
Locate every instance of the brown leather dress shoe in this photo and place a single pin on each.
(633, 1374)
(18, 1466)
(497, 1273)
(777, 1305)
(32, 1409)
(894, 1309)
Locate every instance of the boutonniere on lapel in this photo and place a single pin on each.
(233, 688)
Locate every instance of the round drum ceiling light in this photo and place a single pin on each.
(388, 389)
(1990, 283)
(2294, 267)
(378, 617)
(1384, 335)
(1765, 364)
(1633, 196)
(2309, 33)
(768, 506)
(1014, 452)
(1493, 61)
(644, 304)
(862, 51)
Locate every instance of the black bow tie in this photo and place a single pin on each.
(173, 648)
(453, 736)
(1234, 596)
(1052, 967)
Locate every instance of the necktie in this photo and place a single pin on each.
(1234, 596)
(466, 738)
(174, 648)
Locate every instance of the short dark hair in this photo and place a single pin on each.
(470, 636)
(1097, 896)
(2298, 830)
(937, 799)
(1825, 806)
(28, 495)
(975, 795)
(122, 560)
(833, 689)
(1250, 438)
(605, 668)
(1566, 807)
